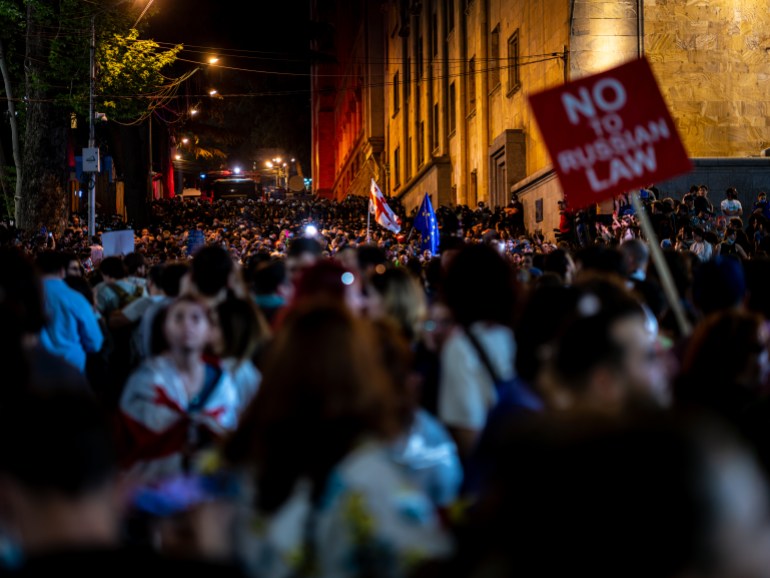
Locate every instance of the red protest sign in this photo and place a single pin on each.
(609, 133)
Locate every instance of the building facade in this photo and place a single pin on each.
(452, 78)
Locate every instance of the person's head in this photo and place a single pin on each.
(136, 264)
(171, 277)
(703, 190)
(396, 293)
(328, 279)
(112, 268)
(636, 255)
(270, 278)
(155, 280)
(58, 478)
(718, 284)
(480, 285)
(698, 234)
(240, 329)
(21, 292)
(323, 389)
(731, 193)
(560, 262)
(738, 340)
(210, 271)
(50, 263)
(73, 266)
(183, 326)
(706, 516)
(606, 357)
(303, 252)
(762, 197)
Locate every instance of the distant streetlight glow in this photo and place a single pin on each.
(237, 170)
(212, 92)
(178, 157)
(213, 60)
(185, 140)
(193, 112)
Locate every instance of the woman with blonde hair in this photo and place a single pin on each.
(398, 294)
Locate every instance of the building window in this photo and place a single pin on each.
(434, 36)
(450, 16)
(452, 108)
(396, 95)
(397, 167)
(498, 190)
(419, 59)
(494, 58)
(407, 79)
(514, 80)
(408, 159)
(421, 145)
(470, 85)
(434, 132)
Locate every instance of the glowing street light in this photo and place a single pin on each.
(213, 92)
(213, 60)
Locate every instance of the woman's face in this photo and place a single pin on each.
(187, 327)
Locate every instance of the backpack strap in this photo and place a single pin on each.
(484, 357)
(121, 293)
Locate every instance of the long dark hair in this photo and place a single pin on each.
(323, 390)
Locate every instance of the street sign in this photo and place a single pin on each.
(91, 160)
(609, 133)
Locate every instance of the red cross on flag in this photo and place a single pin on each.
(383, 214)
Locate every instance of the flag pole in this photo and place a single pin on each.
(667, 281)
(368, 218)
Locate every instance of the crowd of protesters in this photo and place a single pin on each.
(285, 389)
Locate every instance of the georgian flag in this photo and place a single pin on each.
(383, 214)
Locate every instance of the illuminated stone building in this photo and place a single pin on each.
(448, 80)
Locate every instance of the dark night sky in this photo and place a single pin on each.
(273, 25)
(259, 35)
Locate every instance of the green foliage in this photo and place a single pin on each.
(130, 81)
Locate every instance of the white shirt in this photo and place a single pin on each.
(466, 390)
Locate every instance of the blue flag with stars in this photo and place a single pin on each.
(425, 222)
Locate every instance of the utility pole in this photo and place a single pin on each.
(92, 139)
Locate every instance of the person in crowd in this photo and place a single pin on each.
(481, 292)
(302, 252)
(272, 288)
(136, 269)
(176, 403)
(690, 521)
(71, 329)
(730, 205)
(64, 511)
(424, 448)
(725, 367)
(761, 206)
(170, 284)
(728, 246)
(324, 494)
(396, 293)
(27, 362)
(212, 275)
(241, 334)
(606, 358)
(115, 291)
(700, 245)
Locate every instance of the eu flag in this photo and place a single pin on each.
(425, 223)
